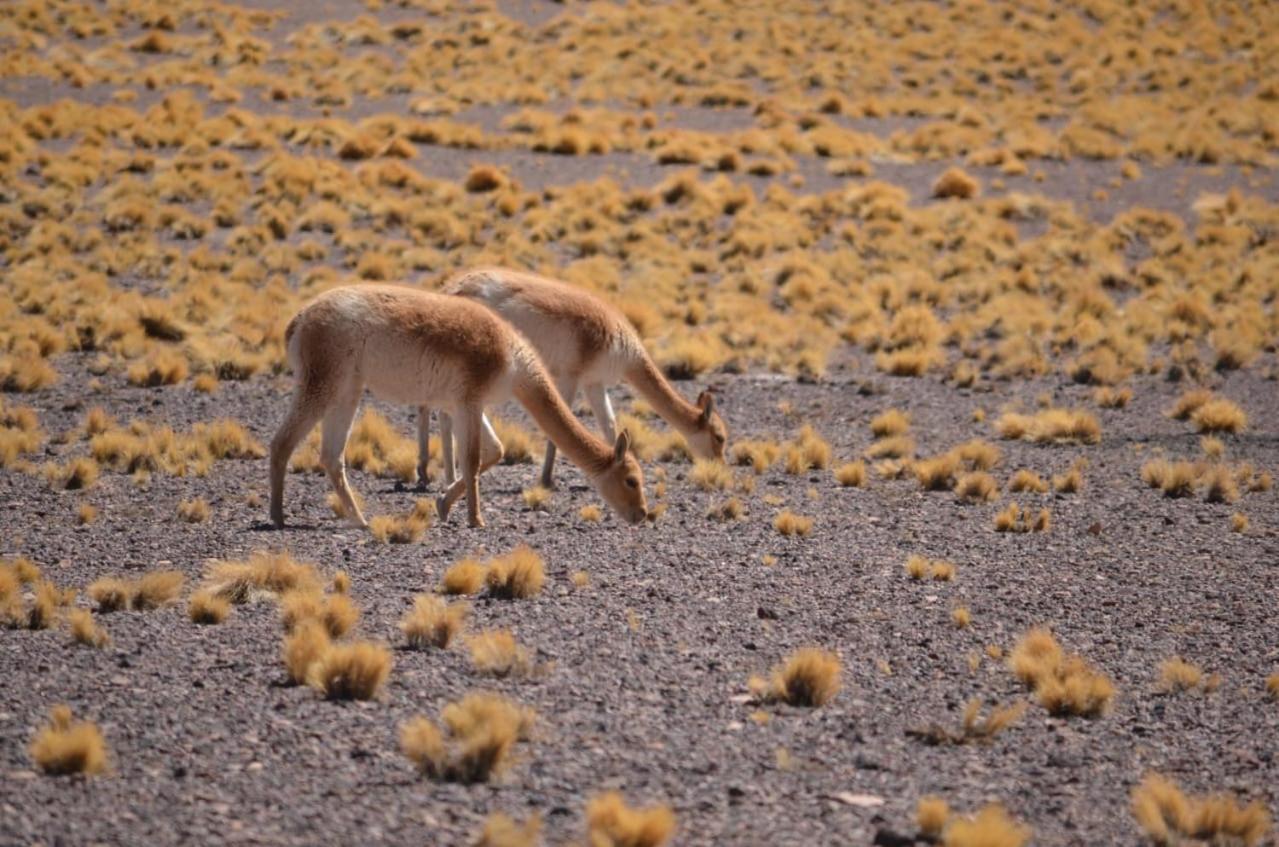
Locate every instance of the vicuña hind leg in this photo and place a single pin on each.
(337, 426)
(305, 411)
(568, 390)
(446, 449)
(423, 447)
(467, 430)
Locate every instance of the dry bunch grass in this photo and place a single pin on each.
(973, 728)
(432, 622)
(1051, 426)
(483, 730)
(1064, 685)
(84, 630)
(264, 574)
(990, 827)
(1168, 816)
(350, 671)
(518, 574)
(809, 677)
(65, 747)
(788, 523)
(464, 577)
(496, 652)
(149, 591)
(612, 823)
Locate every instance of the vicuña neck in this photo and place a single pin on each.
(665, 400)
(534, 391)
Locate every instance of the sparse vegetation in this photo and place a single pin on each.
(1064, 685)
(788, 523)
(809, 677)
(483, 730)
(64, 746)
(350, 671)
(610, 822)
(497, 652)
(432, 622)
(1168, 816)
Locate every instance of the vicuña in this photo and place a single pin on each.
(584, 343)
(430, 350)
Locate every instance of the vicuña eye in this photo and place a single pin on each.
(631, 483)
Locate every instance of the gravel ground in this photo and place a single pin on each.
(641, 680)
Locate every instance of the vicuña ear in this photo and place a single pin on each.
(706, 402)
(620, 447)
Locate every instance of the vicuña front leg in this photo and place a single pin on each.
(337, 426)
(602, 407)
(568, 390)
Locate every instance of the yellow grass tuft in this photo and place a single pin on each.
(350, 671)
(502, 831)
(76, 475)
(65, 747)
(86, 514)
(263, 574)
(710, 475)
(917, 567)
(400, 529)
(1219, 415)
(937, 473)
(851, 474)
(1238, 522)
(1272, 686)
(84, 630)
(336, 613)
(1064, 685)
(591, 513)
(519, 574)
(990, 827)
(957, 184)
(1170, 817)
(111, 594)
(497, 652)
(612, 823)
(1176, 675)
(1027, 480)
(1050, 426)
(1189, 403)
(482, 732)
(961, 617)
(809, 677)
(1219, 485)
(978, 455)
(194, 511)
(931, 814)
(977, 487)
(432, 622)
(759, 455)
(889, 423)
(788, 523)
(537, 498)
(208, 608)
(1175, 479)
(729, 510)
(806, 451)
(303, 648)
(464, 577)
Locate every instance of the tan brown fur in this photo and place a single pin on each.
(603, 349)
(427, 349)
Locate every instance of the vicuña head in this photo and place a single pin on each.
(587, 344)
(621, 482)
(414, 347)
